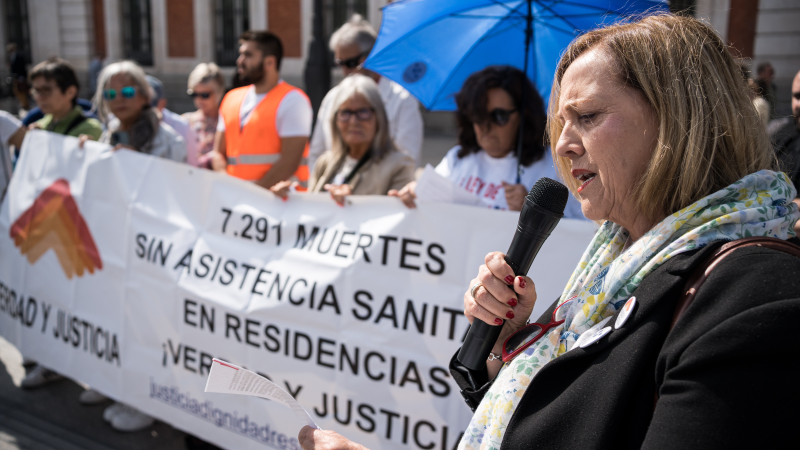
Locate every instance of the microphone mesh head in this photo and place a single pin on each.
(550, 195)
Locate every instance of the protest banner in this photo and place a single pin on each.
(130, 273)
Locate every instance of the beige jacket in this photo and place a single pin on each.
(393, 171)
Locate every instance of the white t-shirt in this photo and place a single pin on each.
(483, 176)
(402, 112)
(293, 118)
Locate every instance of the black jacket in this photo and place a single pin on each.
(727, 375)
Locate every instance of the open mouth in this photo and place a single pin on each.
(585, 179)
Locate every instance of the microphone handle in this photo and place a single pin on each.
(527, 241)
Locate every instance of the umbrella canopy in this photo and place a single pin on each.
(431, 46)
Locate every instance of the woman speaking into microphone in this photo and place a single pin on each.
(662, 338)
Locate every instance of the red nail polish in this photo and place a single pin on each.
(498, 321)
(521, 282)
(512, 302)
(509, 280)
(510, 314)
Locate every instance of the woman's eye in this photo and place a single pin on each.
(586, 117)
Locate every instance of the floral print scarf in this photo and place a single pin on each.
(759, 204)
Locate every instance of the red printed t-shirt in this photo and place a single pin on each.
(483, 176)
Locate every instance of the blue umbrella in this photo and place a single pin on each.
(431, 46)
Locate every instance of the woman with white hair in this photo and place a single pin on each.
(123, 104)
(362, 159)
(206, 87)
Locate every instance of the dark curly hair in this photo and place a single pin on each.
(472, 100)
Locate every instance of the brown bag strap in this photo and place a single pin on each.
(704, 270)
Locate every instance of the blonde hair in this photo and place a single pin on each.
(708, 134)
(364, 86)
(204, 73)
(128, 68)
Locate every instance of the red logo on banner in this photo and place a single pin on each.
(54, 222)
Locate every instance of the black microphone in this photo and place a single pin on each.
(543, 208)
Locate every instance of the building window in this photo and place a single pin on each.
(137, 34)
(232, 21)
(340, 11)
(15, 14)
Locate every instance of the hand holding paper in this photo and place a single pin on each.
(227, 378)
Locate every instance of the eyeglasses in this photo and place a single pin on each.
(195, 94)
(529, 334)
(126, 92)
(351, 63)
(362, 114)
(45, 91)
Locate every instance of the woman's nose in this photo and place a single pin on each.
(570, 143)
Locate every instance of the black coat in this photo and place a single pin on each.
(727, 374)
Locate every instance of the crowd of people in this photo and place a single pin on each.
(618, 137)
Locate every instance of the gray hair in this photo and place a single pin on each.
(204, 73)
(355, 31)
(128, 68)
(356, 84)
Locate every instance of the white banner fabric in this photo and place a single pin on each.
(130, 273)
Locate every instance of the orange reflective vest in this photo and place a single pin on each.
(253, 149)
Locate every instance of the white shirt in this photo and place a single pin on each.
(483, 176)
(293, 118)
(402, 111)
(181, 126)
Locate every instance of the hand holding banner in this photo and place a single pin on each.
(354, 312)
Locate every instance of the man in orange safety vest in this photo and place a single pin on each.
(262, 134)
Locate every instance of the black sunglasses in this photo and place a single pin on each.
(351, 63)
(500, 116)
(203, 95)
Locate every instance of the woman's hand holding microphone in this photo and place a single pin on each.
(494, 301)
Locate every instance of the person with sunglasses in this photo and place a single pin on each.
(123, 100)
(363, 159)
(485, 161)
(206, 87)
(351, 44)
(653, 130)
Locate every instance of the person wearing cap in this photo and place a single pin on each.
(263, 132)
(351, 44)
(178, 123)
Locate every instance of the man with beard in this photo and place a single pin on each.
(263, 132)
(785, 136)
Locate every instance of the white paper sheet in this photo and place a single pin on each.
(227, 378)
(432, 187)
